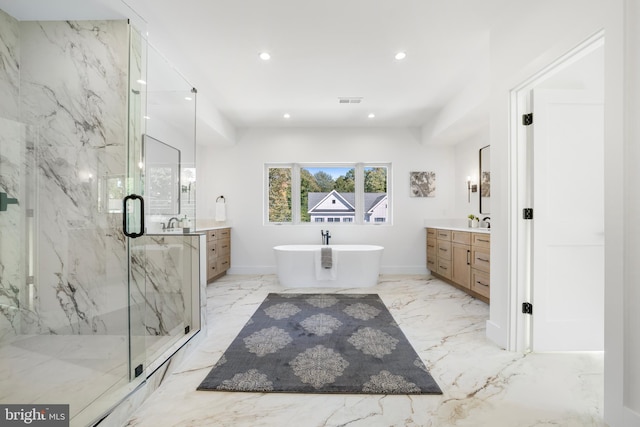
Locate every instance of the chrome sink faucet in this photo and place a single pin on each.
(325, 237)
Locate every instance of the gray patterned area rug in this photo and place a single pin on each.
(321, 343)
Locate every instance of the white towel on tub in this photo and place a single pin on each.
(326, 273)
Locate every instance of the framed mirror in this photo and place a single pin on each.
(485, 180)
(162, 177)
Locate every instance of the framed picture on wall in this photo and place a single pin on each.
(422, 184)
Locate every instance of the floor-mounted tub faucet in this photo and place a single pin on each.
(325, 237)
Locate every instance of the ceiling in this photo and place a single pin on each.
(320, 52)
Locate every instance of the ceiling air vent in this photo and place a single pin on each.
(350, 100)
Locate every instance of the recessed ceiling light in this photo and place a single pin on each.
(142, 82)
(400, 56)
(188, 98)
(265, 56)
(147, 117)
(371, 115)
(286, 115)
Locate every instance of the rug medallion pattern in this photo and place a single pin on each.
(321, 343)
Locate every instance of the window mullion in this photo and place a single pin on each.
(359, 196)
(295, 193)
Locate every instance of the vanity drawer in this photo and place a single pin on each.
(224, 233)
(443, 234)
(431, 233)
(480, 259)
(463, 237)
(482, 240)
(212, 249)
(432, 248)
(212, 269)
(432, 254)
(224, 247)
(444, 250)
(480, 283)
(444, 268)
(223, 263)
(432, 265)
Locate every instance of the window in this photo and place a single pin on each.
(307, 193)
(279, 179)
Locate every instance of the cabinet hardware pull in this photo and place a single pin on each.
(482, 240)
(468, 257)
(483, 260)
(480, 283)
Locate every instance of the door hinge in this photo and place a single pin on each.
(187, 329)
(527, 119)
(138, 370)
(527, 308)
(527, 213)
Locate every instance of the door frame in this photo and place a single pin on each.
(520, 190)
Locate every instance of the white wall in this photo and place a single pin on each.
(237, 173)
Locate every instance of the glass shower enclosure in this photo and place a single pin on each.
(90, 303)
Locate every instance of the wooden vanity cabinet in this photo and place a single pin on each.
(461, 258)
(218, 253)
(432, 250)
(443, 245)
(481, 264)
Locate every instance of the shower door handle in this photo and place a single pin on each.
(125, 216)
(5, 201)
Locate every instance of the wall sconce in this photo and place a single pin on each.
(471, 188)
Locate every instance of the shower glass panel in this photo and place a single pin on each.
(171, 117)
(163, 281)
(64, 333)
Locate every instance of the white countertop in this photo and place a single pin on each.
(217, 227)
(469, 229)
(454, 224)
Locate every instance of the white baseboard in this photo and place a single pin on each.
(496, 334)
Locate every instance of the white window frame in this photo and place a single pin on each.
(359, 169)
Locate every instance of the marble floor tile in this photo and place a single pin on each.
(482, 384)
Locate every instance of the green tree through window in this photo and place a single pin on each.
(280, 195)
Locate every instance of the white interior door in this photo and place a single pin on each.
(568, 225)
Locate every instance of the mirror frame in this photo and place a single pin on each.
(484, 184)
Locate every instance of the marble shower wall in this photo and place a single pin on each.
(65, 116)
(12, 168)
(10, 69)
(74, 96)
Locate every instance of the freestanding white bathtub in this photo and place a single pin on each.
(352, 266)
